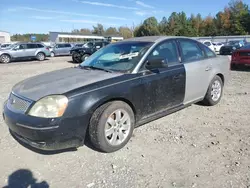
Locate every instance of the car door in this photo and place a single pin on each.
(67, 48)
(59, 49)
(31, 50)
(19, 51)
(197, 68)
(163, 88)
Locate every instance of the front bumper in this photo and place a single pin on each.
(46, 134)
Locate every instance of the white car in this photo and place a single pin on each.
(209, 44)
(217, 46)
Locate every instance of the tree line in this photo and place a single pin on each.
(233, 20)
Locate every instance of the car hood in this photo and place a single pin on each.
(59, 82)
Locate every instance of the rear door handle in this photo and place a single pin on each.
(208, 68)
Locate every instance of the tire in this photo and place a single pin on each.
(105, 133)
(84, 57)
(214, 92)
(76, 58)
(5, 59)
(40, 56)
(52, 54)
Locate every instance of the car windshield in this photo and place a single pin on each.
(120, 57)
(11, 46)
(78, 45)
(234, 43)
(88, 45)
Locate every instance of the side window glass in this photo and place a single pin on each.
(208, 51)
(191, 51)
(41, 46)
(60, 46)
(167, 51)
(22, 46)
(31, 46)
(67, 45)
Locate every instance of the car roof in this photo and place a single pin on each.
(28, 43)
(152, 39)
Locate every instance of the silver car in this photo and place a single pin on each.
(61, 49)
(20, 51)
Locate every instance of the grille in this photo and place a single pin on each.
(244, 53)
(18, 104)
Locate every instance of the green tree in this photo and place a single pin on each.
(163, 26)
(125, 32)
(111, 31)
(148, 28)
(209, 26)
(239, 11)
(98, 29)
(196, 24)
(85, 31)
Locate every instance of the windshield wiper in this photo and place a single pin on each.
(95, 68)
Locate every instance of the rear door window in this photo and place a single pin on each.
(190, 50)
(41, 46)
(31, 46)
(209, 53)
(67, 45)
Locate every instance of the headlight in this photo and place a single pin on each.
(50, 107)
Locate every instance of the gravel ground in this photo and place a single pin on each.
(195, 147)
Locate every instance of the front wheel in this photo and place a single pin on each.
(5, 58)
(84, 57)
(214, 92)
(111, 126)
(40, 56)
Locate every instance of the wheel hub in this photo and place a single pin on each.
(117, 127)
(216, 90)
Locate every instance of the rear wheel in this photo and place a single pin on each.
(5, 58)
(214, 92)
(111, 126)
(52, 54)
(40, 56)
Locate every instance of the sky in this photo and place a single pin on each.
(31, 16)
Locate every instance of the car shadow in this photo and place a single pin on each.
(88, 144)
(23, 178)
(242, 69)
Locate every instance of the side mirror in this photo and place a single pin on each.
(156, 64)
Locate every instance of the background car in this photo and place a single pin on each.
(217, 46)
(61, 49)
(229, 47)
(209, 44)
(81, 54)
(20, 51)
(241, 57)
(4, 46)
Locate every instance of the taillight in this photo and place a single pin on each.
(47, 49)
(235, 55)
